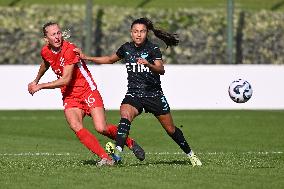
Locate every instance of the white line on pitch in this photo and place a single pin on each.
(17, 118)
(148, 153)
(215, 153)
(37, 154)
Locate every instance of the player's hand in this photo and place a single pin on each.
(80, 53)
(30, 86)
(33, 88)
(142, 61)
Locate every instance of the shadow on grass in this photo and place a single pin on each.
(162, 162)
(89, 162)
(143, 163)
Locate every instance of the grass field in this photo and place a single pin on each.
(239, 149)
(243, 4)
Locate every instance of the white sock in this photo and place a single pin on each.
(190, 153)
(119, 148)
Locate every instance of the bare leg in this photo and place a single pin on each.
(74, 117)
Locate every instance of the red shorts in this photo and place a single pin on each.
(86, 102)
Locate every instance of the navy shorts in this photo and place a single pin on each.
(156, 105)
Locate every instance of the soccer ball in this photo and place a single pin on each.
(240, 91)
(110, 148)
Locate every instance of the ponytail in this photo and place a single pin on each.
(168, 38)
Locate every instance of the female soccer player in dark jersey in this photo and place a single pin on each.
(144, 65)
(79, 92)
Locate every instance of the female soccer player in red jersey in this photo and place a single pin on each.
(144, 65)
(79, 92)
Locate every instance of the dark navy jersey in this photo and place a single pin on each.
(142, 81)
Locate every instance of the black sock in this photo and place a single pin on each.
(122, 132)
(178, 137)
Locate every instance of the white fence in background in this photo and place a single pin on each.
(185, 86)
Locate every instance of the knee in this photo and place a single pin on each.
(76, 127)
(101, 130)
(170, 129)
(127, 115)
(128, 112)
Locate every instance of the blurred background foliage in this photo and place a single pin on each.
(255, 5)
(201, 25)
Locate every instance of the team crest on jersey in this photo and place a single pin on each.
(144, 55)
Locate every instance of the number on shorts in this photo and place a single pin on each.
(165, 103)
(90, 100)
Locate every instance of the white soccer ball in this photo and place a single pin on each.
(240, 91)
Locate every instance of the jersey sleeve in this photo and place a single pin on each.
(71, 57)
(43, 54)
(120, 52)
(157, 55)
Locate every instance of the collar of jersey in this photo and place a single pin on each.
(142, 46)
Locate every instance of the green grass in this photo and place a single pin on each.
(239, 149)
(243, 4)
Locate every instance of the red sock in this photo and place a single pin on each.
(111, 132)
(92, 143)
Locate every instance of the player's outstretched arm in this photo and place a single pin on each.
(98, 60)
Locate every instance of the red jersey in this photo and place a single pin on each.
(81, 81)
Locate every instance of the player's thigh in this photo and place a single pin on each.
(74, 117)
(166, 121)
(99, 118)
